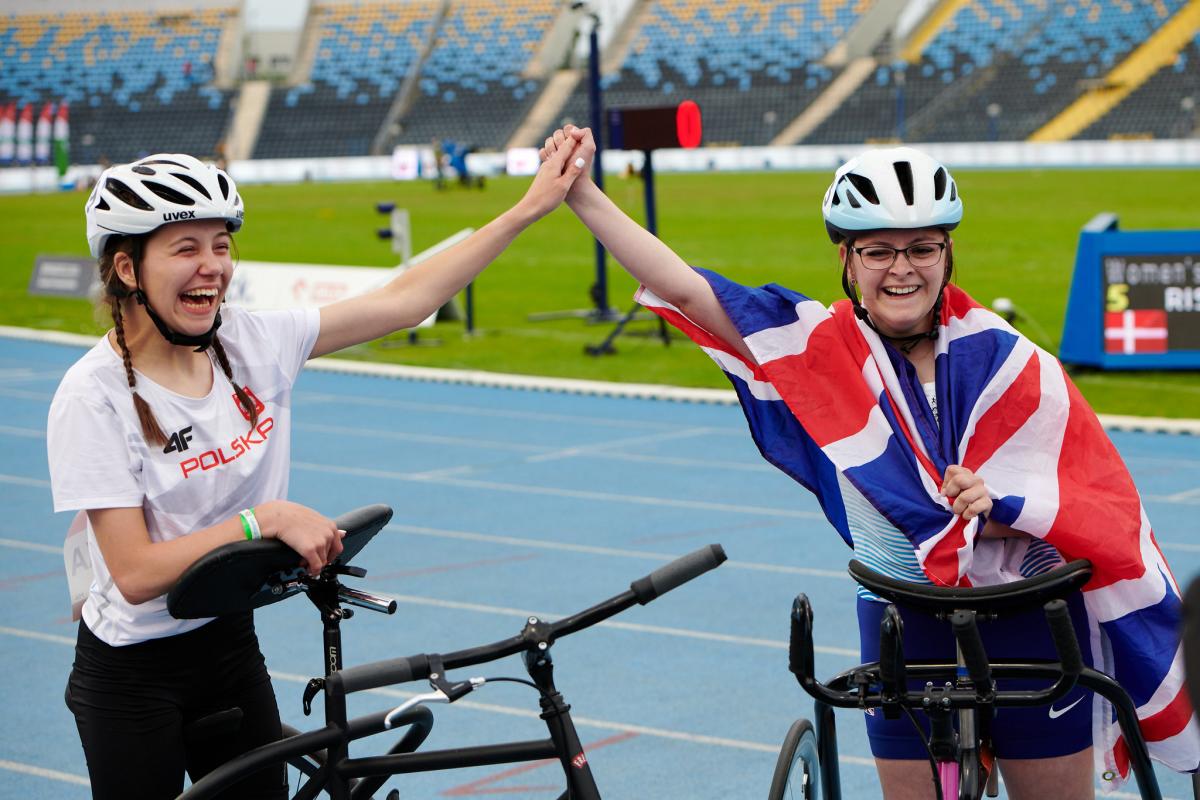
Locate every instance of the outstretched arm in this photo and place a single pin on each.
(420, 291)
(643, 255)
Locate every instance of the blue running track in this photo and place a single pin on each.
(510, 502)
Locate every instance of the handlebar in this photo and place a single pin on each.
(891, 666)
(536, 635)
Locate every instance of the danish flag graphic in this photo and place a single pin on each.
(1133, 331)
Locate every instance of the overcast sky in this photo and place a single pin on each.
(274, 14)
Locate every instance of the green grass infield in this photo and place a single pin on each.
(1017, 240)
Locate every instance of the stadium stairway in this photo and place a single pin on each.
(247, 119)
(553, 97)
(929, 28)
(407, 95)
(1159, 51)
(841, 87)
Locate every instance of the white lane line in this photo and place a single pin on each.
(1186, 496)
(25, 433)
(38, 635)
(662, 733)
(578, 494)
(645, 730)
(42, 772)
(590, 449)
(456, 441)
(499, 413)
(657, 630)
(37, 547)
(21, 480)
(607, 551)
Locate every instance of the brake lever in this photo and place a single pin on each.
(438, 695)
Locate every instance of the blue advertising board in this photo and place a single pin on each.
(1135, 299)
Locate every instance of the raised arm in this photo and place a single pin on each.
(420, 291)
(643, 255)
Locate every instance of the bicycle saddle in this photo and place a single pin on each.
(242, 576)
(1008, 598)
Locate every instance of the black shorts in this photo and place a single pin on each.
(132, 703)
(1034, 732)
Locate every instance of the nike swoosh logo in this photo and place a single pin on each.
(1055, 713)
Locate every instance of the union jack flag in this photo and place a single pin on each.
(828, 397)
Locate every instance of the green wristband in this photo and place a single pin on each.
(250, 524)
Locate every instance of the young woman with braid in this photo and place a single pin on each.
(167, 457)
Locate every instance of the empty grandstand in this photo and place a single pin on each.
(362, 76)
(133, 78)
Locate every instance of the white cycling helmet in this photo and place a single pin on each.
(895, 187)
(136, 198)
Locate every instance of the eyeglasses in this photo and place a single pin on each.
(920, 255)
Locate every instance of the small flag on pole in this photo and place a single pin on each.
(8, 134)
(25, 136)
(62, 140)
(45, 125)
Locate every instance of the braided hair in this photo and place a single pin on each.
(113, 293)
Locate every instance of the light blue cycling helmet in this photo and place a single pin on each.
(894, 187)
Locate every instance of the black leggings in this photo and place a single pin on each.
(131, 705)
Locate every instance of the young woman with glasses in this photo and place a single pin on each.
(877, 405)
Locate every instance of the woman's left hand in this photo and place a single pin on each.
(966, 492)
(566, 157)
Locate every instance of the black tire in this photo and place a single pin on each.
(798, 770)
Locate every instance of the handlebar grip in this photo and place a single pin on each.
(966, 630)
(1063, 632)
(384, 673)
(800, 643)
(677, 573)
(891, 652)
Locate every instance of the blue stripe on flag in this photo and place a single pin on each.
(1144, 645)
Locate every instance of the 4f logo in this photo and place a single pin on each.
(258, 404)
(179, 440)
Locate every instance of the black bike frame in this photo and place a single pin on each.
(841, 692)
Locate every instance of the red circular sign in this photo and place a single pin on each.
(687, 124)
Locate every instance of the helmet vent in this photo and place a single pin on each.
(102, 205)
(192, 182)
(141, 170)
(169, 194)
(126, 195)
(853, 200)
(865, 188)
(953, 192)
(904, 176)
(163, 161)
(939, 183)
(837, 201)
(224, 185)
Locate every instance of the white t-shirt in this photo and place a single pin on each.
(212, 467)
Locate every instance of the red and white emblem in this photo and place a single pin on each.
(258, 404)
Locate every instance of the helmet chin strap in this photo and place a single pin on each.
(200, 341)
(904, 343)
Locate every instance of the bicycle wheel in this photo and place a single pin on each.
(797, 772)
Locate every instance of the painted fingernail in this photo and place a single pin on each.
(579, 162)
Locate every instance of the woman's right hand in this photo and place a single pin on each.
(578, 142)
(314, 537)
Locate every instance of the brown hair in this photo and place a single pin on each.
(113, 293)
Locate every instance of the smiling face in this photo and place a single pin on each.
(186, 268)
(899, 298)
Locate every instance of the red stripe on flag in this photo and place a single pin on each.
(1096, 498)
(1121, 756)
(941, 565)
(1169, 721)
(705, 339)
(823, 386)
(1006, 416)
